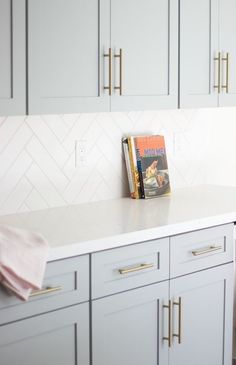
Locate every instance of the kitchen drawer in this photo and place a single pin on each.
(129, 267)
(198, 250)
(67, 281)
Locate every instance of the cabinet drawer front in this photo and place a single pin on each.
(66, 282)
(125, 268)
(201, 249)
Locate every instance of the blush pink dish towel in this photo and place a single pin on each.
(23, 257)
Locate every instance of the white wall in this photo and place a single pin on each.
(37, 154)
(221, 156)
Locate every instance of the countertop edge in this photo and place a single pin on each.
(125, 239)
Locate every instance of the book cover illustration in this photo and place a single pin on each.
(152, 163)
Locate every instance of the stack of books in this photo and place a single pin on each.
(147, 167)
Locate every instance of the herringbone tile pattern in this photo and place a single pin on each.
(37, 155)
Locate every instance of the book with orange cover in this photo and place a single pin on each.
(152, 165)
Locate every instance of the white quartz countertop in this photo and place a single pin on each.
(85, 228)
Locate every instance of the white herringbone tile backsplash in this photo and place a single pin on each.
(37, 155)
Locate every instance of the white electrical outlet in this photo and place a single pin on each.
(80, 152)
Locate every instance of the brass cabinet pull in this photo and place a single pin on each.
(179, 334)
(120, 56)
(218, 59)
(206, 250)
(136, 268)
(226, 86)
(169, 323)
(45, 291)
(109, 55)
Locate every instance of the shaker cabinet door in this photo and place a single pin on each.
(56, 338)
(144, 43)
(202, 317)
(199, 61)
(66, 43)
(12, 59)
(128, 328)
(227, 46)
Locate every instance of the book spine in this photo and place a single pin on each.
(134, 171)
(128, 167)
(139, 166)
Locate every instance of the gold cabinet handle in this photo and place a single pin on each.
(179, 334)
(168, 338)
(136, 268)
(120, 56)
(109, 55)
(206, 250)
(45, 291)
(218, 60)
(226, 86)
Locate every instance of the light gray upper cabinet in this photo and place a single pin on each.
(66, 43)
(207, 53)
(12, 60)
(144, 44)
(198, 48)
(128, 328)
(74, 58)
(116, 55)
(202, 317)
(227, 47)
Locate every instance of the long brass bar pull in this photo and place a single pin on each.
(120, 56)
(226, 86)
(169, 339)
(136, 268)
(109, 55)
(45, 291)
(218, 59)
(206, 250)
(179, 334)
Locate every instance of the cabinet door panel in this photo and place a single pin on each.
(60, 337)
(128, 327)
(227, 45)
(147, 33)
(198, 47)
(64, 56)
(207, 305)
(12, 60)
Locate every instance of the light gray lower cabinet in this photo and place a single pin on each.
(55, 338)
(128, 328)
(12, 60)
(202, 307)
(186, 319)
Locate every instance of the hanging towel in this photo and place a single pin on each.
(23, 257)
